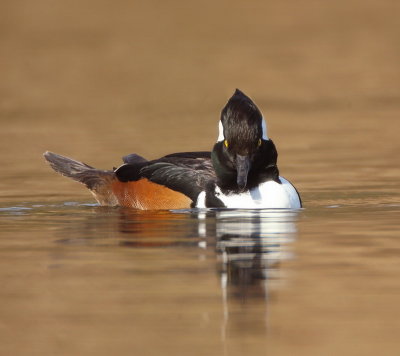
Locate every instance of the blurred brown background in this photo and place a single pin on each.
(99, 79)
(96, 80)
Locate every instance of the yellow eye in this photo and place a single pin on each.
(226, 143)
(259, 142)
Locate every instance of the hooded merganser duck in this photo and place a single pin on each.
(240, 172)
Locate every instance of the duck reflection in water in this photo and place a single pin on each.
(246, 246)
(250, 244)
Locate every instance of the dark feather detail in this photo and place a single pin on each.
(187, 172)
(242, 122)
(133, 158)
(78, 171)
(195, 155)
(211, 200)
(186, 175)
(129, 172)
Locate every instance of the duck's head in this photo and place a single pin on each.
(243, 146)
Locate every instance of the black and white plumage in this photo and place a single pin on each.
(240, 172)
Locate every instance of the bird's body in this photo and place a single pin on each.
(268, 195)
(240, 172)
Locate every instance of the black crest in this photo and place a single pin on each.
(241, 120)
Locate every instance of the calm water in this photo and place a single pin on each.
(83, 279)
(96, 81)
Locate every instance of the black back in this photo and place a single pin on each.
(189, 172)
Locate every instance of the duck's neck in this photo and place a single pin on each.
(263, 167)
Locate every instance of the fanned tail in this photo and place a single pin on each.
(99, 182)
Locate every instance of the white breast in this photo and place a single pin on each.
(268, 195)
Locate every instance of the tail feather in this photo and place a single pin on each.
(98, 181)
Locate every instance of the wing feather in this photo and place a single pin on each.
(189, 172)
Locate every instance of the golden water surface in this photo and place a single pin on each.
(96, 80)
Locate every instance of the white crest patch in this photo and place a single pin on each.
(221, 136)
(264, 129)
